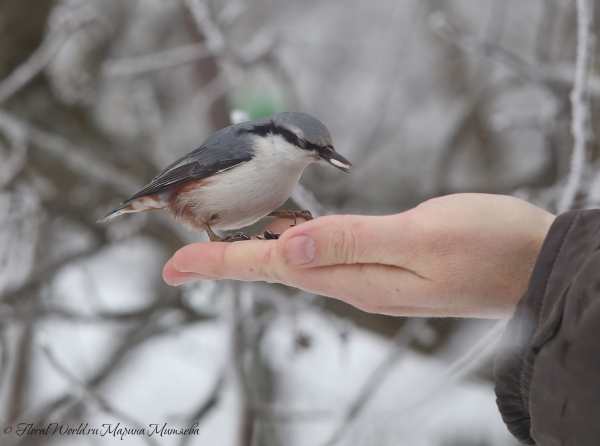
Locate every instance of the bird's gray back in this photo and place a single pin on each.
(224, 144)
(223, 150)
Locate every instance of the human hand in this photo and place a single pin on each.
(466, 255)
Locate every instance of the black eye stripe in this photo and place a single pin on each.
(291, 137)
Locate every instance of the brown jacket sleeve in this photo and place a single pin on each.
(548, 369)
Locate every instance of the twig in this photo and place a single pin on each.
(260, 47)
(35, 280)
(540, 119)
(74, 157)
(4, 356)
(148, 109)
(18, 154)
(232, 65)
(45, 52)
(463, 366)
(564, 74)
(19, 315)
(215, 41)
(219, 86)
(238, 354)
(131, 66)
(409, 331)
(592, 199)
(386, 71)
(86, 165)
(22, 366)
(579, 105)
(307, 200)
(86, 392)
(292, 416)
(467, 40)
(484, 349)
(142, 332)
(20, 223)
(232, 10)
(207, 406)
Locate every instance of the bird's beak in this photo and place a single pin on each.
(332, 157)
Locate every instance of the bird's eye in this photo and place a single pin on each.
(301, 143)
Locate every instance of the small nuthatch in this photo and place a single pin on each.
(239, 175)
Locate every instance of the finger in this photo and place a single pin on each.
(176, 278)
(283, 224)
(349, 239)
(248, 260)
(258, 260)
(360, 285)
(336, 239)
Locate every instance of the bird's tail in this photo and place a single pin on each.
(147, 203)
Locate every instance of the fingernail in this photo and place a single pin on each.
(181, 281)
(184, 278)
(299, 250)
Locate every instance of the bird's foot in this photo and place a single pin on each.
(306, 215)
(268, 235)
(237, 237)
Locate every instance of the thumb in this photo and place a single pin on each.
(345, 239)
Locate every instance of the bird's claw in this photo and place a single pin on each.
(269, 235)
(237, 237)
(306, 215)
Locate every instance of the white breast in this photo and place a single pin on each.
(246, 193)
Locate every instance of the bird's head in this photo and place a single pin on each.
(302, 136)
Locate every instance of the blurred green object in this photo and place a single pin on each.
(257, 102)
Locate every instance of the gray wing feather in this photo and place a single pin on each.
(223, 150)
(167, 180)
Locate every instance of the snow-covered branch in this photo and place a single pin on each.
(579, 104)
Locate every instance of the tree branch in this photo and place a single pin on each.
(70, 22)
(88, 394)
(579, 104)
(405, 336)
(132, 66)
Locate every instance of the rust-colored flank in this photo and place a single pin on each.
(180, 198)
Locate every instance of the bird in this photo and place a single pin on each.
(239, 175)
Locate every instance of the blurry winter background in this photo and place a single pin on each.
(424, 97)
